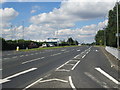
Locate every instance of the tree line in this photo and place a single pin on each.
(23, 44)
(108, 34)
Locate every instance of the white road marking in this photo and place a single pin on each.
(55, 54)
(14, 57)
(32, 84)
(15, 75)
(78, 50)
(76, 56)
(3, 81)
(70, 64)
(83, 56)
(103, 84)
(71, 83)
(75, 65)
(20, 73)
(21, 55)
(32, 60)
(0, 69)
(63, 50)
(55, 79)
(66, 51)
(26, 55)
(31, 54)
(62, 65)
(6, 58)
(107, 75)
(62, 70)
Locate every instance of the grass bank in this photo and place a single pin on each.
(45, 48)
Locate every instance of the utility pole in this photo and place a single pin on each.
(117, 26)
(23, 34)
(104, 34)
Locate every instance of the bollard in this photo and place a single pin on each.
(17, 49)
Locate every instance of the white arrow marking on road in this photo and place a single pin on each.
(15, 75)
(107, 75)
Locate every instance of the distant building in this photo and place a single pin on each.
(49, 40)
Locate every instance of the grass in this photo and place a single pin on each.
(34, 49)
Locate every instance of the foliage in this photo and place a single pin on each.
(110, 30)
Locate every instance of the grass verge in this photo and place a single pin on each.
(34, 49)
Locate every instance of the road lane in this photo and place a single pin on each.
(44, 66)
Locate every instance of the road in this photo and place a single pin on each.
(69, 67)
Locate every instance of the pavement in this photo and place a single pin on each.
(73, 68)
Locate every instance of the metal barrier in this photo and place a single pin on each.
(114, 51)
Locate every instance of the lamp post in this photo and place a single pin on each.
(117, 27)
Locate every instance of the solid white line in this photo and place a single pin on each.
(32, 84)
(94, 79)
(83, 56)
(62, 65)
(20, 73)
(21, 55)
(32, 60)
(71, 83)
(75, 65)
(55, 79)
(3, 81)
(107, 75)
(76, 56)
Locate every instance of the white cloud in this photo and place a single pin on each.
(73, 11)
(86, 33)
(6, 15)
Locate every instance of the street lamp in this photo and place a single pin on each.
(117, 26)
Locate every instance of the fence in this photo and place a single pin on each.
(115, 52)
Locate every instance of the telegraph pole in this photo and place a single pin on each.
(117, 26)
(23, 34)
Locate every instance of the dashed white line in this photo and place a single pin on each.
(32, 84)
(14, 57)
(6, 58)
(15, 75)
(107, 75)
(20, 73)
(71, 83)
(21, 55)
(55, 54)
(75, 65)
(32, 60)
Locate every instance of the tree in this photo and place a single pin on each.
(70, 41)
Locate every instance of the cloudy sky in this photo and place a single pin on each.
(79, 19)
